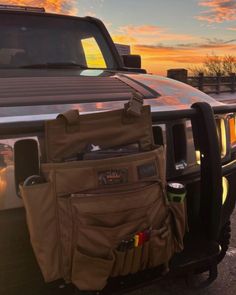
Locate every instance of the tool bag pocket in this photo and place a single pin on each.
(108, 174)
(106, 217)
(97, 242)
(160, 246)
(154, 250)
(90, 272)
(179, 222)
(124, 205)
(40, 204)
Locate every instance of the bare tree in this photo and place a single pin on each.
(213, 65)
(196, 70)
(229, 64)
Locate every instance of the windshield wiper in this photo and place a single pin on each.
(58, 65)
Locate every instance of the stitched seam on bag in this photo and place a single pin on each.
(119, 195)
(161, 152)
(150, 142)
(81, 164)
(47, 144)
(149, 119)
(70, 241)
(57, 224)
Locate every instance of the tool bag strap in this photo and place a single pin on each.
(135, 105)
(132, 108)
(71, 133)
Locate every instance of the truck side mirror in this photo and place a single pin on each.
(132, 61)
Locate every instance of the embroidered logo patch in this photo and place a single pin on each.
(113, 176)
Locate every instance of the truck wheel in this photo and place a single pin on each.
(224, 240)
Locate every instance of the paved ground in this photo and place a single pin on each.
(224, 285)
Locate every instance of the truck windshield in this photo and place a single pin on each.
(28, 41)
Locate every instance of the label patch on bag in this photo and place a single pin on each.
(113, 176)
(147, 170)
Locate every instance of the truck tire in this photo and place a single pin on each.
(224, 241)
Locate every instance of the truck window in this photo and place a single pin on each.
(27, 40)
(93, 55)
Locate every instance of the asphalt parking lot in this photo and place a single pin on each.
(225, 284)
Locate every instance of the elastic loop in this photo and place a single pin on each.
(71, 117)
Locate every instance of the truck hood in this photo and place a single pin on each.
(46, 93)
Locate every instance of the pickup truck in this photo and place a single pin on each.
(52, 63)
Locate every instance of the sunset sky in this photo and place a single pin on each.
(166, 33)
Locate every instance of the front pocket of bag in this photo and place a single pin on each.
(98, 240)
(78, 176)
(91, 273)
(118, 218)
(115, 202)
(40, 205)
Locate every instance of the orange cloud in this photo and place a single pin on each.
(124, 39)
(188, 50)
(232, 29)
(56, 6)
(141, 30)
(218, 11)
(158, 59)
(148, 34)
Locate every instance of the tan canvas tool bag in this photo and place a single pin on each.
(102, 211)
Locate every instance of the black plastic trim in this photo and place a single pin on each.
(108, 39)
(206, 140)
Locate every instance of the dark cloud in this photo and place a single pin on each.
(208, 44)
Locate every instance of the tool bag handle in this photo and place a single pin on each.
(132, 108)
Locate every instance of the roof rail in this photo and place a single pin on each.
(22, 8)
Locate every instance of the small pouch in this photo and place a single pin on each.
(128, 263)
(137, 258)
(145, 255)
(91, 273)
(97, 239)
(119, 263)
(40, 204)
(160, 247)
(179, 224)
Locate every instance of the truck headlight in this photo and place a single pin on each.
(225, 187)
(232, 130)
(221, 131)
